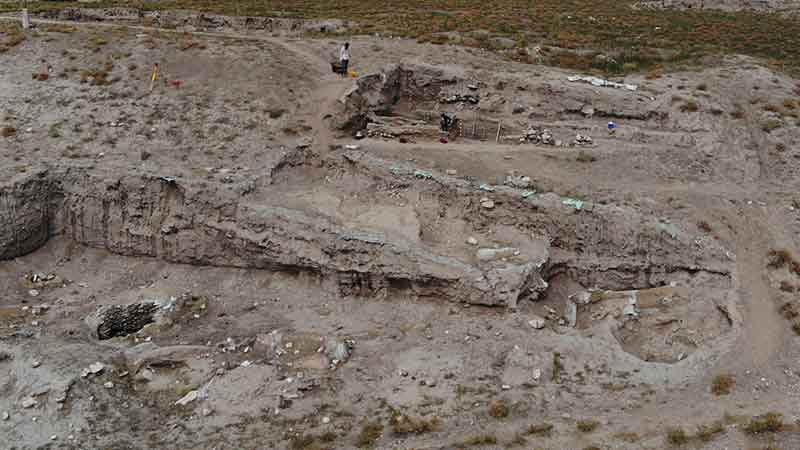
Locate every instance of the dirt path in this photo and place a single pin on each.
(764, 329)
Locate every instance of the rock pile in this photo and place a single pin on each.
(581, 140)
(538, 136)
(472, 99)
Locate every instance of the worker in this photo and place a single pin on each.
(344, 57)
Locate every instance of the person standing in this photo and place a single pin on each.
(344, 57)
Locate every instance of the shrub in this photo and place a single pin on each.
(702, 87)
(585, 157)
(677, 436)
(403, 424)
(587, 426)
(369, 434)
(704, 226)
(771, 125)
(789, 311)
(722, 384)
(499, 409)
(770, 422)
(796, 328)
(707, 432)
(628, 436)
(486, 439)
(782, 258)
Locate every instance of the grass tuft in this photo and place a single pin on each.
(770, 422)
(587, 426)
(677, 436)
(369, 434)
(722, 384)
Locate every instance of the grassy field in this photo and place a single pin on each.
(571, 32)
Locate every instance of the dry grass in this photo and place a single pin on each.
(585, 157)
(722, 384)
(11, 35)
(484, 439)
(677, 436)
(499, 409)
(633, 39)
(587, 426)
(770, 422)
(403, 424)
(707, 433)
(777, 259)
(790, 310)
(771, 125)
(369, 434)
(704, 226)
(628, 436)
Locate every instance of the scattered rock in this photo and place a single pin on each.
(538, 136)
(472, 241)
(337, 352)
(487, 204)
(6, 415)
(36, 364)
(205, 412)
(451, 172)
(304, 143)
(29, 402)
(326, 420)
(537, 322)
(571, 313)
(39, 310)
(461, 98)
(96, 368)
(518, 181)
(582, 140)
(33, 293)
(108, 385)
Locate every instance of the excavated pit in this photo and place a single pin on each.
(121, 320)
(408, 101)
(365, 227)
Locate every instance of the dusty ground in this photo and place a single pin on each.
(318, 291)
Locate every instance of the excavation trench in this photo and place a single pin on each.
(379, 246)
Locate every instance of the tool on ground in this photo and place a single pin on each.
(153, 76)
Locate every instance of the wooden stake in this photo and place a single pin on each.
(499, 124)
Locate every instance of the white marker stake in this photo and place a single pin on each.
(26, 20)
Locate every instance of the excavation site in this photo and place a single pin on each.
(215, 234)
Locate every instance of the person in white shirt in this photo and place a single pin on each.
(344, 57)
